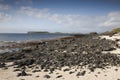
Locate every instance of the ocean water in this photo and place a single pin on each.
(28, 37)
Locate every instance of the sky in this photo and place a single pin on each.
(69, 16)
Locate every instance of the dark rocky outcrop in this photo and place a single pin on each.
(46, 76)
(23, 73)
(2, 65)
(81, 73)
(82, 51)
(59, 76)
(24, 62)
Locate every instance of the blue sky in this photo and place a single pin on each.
(18, 16)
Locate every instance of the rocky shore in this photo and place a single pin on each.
(78, 55)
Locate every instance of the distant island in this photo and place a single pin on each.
(45, 32)
(38, 32)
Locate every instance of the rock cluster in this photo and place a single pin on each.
(2, 65)
(83, 51)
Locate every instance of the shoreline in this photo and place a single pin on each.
(65, 58)
(28, 37)
(8, 44)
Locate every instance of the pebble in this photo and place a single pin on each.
(46, 76)
(59, 76)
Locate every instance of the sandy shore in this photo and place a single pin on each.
(114, 38)
(110, 73)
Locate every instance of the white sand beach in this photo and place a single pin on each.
(114, 37)
(112, 73)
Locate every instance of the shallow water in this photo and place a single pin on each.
(25, 37)
(9, 39)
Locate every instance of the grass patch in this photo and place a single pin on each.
(112, 32)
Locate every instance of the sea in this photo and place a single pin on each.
(7, 39)
(28, 37)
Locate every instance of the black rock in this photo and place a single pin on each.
(22, 79)
(45, 70)
(71, 72)
(5, 68)
(17, 70)
(37, 76)
(96, 75)
(59, 76)
(2, 65)
(24, 62)
(117, 40)
(46, 76)
(92, 69)
(36, 71)
(23, 73)
(81, 73)
(116, 69)
(93, 33)
(98, 72)
(51, 70)
(110, 49)
(67, 69)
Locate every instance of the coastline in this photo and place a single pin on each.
(10, 46)
(66, 72)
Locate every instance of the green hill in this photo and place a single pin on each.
(112, 32)
(117, 30)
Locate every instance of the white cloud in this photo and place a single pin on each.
(80, 22)
(4, 7)
(42, 13)
(4, 17)
(113, 19)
